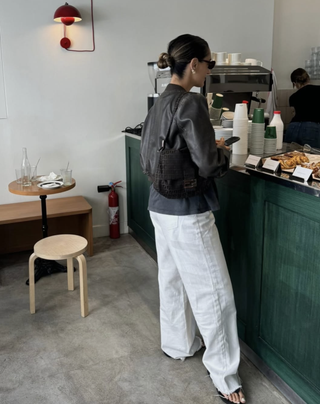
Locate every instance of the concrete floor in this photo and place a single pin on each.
(113, 355)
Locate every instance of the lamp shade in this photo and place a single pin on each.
(67, 15)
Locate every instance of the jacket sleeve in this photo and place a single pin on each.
(194, 122)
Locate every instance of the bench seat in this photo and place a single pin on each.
(21, 223)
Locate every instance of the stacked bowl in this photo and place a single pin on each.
(227, 118)
(257, 132)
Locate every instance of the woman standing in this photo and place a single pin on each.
(304, 127)
(194, 283)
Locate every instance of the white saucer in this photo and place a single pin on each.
(50, 184)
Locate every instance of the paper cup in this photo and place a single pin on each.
(234, 58)
(241, 112)
(271, 132)
(217, 101)
(258, 115)
(220, 58)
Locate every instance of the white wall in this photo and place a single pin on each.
(296, 31)
(65, 106)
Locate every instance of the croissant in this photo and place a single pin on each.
(291, 163)
(302, 159)
(315, 167)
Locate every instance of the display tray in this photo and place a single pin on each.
(290, 160)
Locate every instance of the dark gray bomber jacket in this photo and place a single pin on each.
(191, 127)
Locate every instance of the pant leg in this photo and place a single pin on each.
(177, 323)
(196, 250)
(292, 132)
(309, 133)
(303, 133)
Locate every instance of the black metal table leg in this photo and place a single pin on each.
(45, 267)
(44, 216)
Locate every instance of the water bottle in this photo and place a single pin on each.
(277, 122)
(25, 169)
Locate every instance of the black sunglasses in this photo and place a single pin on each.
(211, 63)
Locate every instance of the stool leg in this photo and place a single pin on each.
(83, 285)
(32, 297)
(70, 273)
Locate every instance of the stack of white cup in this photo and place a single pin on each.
(257, 132)
(220, 58)
(240, 128)
(257, 138)
(234, 58)
(270, 146)
(270, 140)
(249, 133)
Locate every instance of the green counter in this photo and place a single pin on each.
(270, 236)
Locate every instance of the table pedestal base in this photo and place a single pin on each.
(45, 267)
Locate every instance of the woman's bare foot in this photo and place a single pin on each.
(236, 397)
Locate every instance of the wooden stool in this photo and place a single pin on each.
(63, 246)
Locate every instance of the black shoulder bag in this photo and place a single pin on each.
(177, 176)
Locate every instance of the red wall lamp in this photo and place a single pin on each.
(68, 15)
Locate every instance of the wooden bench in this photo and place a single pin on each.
(21, 224)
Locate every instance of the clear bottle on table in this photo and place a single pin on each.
(25, 169)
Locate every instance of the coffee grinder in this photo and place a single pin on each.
(155, 74)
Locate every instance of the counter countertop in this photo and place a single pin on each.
(283, 178)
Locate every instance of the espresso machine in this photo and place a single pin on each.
(237, 83)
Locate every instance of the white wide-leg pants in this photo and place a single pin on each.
(195, 288)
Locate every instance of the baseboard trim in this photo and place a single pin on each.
(286, 390)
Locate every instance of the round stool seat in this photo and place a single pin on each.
(60, 247)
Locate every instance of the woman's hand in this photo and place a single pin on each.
(220, 143)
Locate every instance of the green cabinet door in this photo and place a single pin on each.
(138, 188)
(232, 221)
(287, 322)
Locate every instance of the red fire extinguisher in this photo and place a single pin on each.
(114, 211)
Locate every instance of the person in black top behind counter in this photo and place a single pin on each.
(304, 127)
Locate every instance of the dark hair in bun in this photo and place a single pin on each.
(165, 60)
(300, 76)
(181, 51)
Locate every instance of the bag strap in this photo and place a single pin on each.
(174, 111)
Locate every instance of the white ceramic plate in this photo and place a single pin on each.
(50, 184)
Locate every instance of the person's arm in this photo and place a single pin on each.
(291, 104)
(194, 123)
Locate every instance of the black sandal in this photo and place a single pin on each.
(226, 400)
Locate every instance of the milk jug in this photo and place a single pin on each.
(277, 122)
